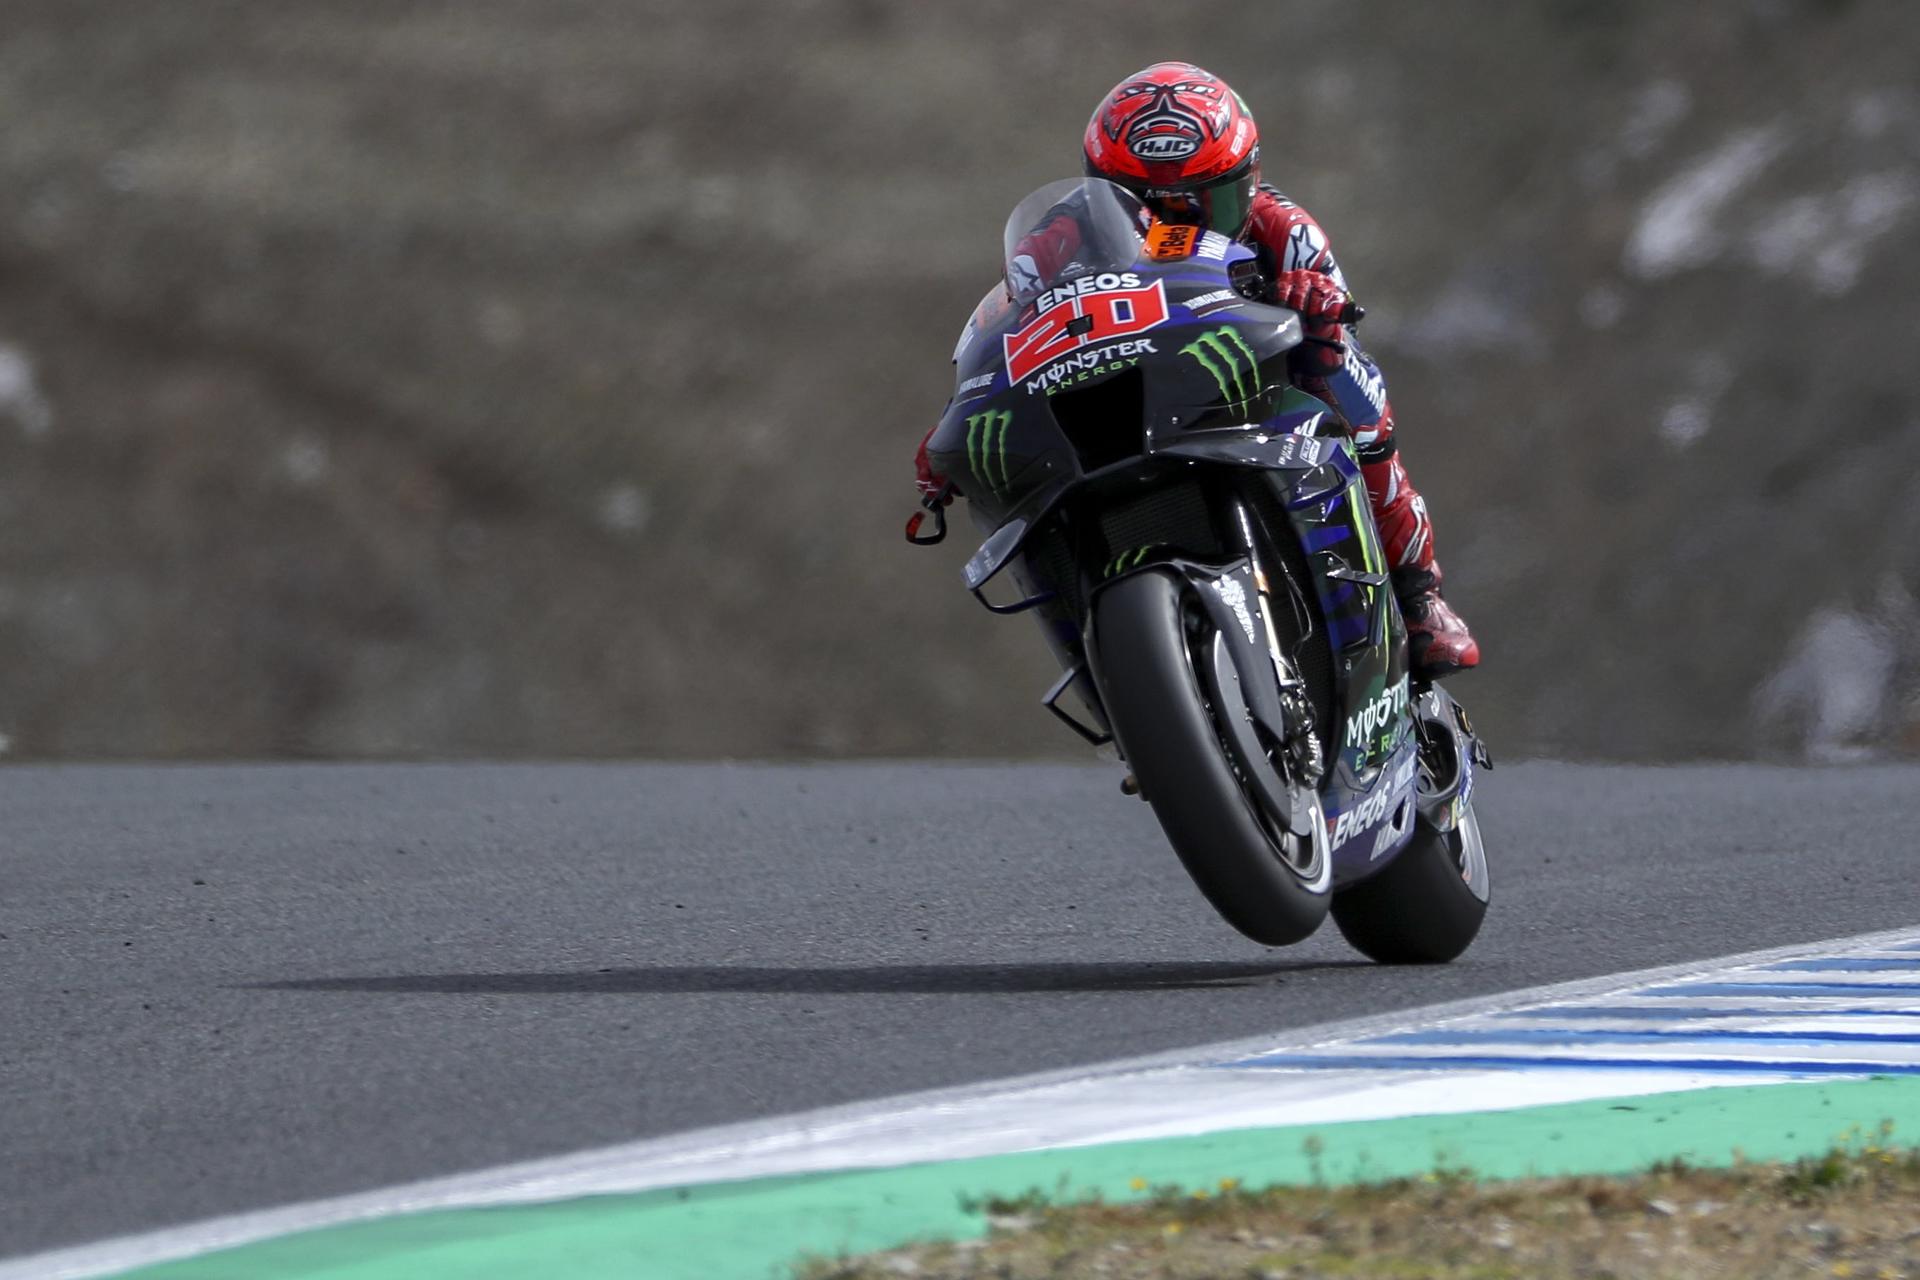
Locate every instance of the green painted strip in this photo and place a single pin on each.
(1370, 552)
(752, 1230)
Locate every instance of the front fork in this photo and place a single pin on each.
(1302, 743)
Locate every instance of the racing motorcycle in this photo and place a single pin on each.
(1194, 535)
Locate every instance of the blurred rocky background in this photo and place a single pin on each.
(487, 377)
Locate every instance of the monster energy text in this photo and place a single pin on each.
(1083, 366)
(1376, 714)
(987, 445)
(1233, 364)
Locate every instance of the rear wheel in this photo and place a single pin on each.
(1175, 707)
(1427, 905)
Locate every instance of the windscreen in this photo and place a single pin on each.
(1071, 228)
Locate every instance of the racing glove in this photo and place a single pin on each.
(1320, 301)
(932, 486)
(1317, 298)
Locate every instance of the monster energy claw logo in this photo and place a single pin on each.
(1226, 355)
(987, 445)
(1128, 559)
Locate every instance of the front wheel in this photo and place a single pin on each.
(1172, 723)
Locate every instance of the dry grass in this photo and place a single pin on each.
(1853, 1212)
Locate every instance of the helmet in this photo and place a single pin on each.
(1180, 139)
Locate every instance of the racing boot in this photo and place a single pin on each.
(1438, 642)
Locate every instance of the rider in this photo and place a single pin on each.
(1181, 140)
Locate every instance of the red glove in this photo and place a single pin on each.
(1317, 298)
(929, 484)
(1320, 302)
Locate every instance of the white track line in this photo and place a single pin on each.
(1160, 1095)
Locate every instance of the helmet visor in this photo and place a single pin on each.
(1227, 201)
(1221, 205)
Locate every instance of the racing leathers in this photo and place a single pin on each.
(1332, 365)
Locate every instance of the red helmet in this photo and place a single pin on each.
(1181, 140)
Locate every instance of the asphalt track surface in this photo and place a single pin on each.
(225, 988)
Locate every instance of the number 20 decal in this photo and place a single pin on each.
(1083, 321)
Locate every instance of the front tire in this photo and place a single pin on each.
(1145, 656)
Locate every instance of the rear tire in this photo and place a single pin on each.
(1423, 908)
(1144, 657)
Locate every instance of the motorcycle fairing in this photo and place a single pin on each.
(1284, 443)
(1332, 514)
(1374, 821)
(1372, 731)
(1440, 795)
(1001, 439)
